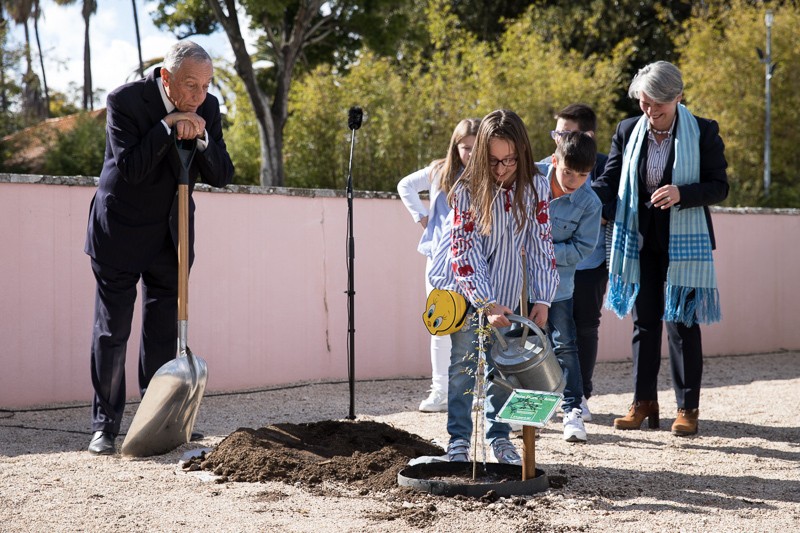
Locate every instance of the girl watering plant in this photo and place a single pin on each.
(500, 208)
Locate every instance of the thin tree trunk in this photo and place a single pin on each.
(271, 156)
(138, 39)
(88, 100)
(41, 62)
(3, 93)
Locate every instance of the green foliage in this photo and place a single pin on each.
(537, 79)
(413, 106)
(598, 27)
(409, 115)
(185, 17)
(62, 105)
(79, 151)
(241, 129)
(725, 81)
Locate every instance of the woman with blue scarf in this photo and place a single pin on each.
(664, 169)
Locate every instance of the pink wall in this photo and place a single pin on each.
(267, 300)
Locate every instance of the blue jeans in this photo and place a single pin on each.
(563, 334)
(461, 374)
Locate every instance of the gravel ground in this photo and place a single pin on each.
(741, 473)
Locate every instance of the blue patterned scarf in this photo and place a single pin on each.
(691, 293)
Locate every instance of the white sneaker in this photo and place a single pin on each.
(573, 427)
(586, 414)
(458, 451)
(436, 402)
(505, 452)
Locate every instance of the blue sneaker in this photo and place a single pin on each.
(505, 452)
(458, 451)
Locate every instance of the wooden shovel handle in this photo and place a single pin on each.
(183, 252)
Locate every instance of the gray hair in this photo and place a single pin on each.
(661, 81)
(181, 51)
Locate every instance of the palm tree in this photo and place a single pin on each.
(89, 8)
(32, 105)
(37, 12)
(138, 39)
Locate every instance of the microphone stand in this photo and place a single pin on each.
(354, 123)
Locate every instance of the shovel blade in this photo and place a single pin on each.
(166, 416)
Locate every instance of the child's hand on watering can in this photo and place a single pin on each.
(496, 315)
(538, 314)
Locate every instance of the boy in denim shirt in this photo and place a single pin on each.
(575, 215)
(591, 274)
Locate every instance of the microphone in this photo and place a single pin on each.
(354, 117)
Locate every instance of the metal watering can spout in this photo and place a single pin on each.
(494, 378)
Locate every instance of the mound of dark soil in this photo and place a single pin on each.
(368, 454)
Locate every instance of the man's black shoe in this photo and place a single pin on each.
(102, 443)
(196, 435)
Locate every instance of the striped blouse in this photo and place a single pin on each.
(488, 268)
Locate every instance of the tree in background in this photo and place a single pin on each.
(36, 13)
(88, 8)
(241, 130)
(78, 151)
(138, 38)
(725, 81)
(293, 35)
(10, 89)
(33, 107)
(598, 28)
(412, 106)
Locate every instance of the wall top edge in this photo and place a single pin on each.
(89, 181)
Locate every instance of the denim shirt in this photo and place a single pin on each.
(576, 226)
(598, 255)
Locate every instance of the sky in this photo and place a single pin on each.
(112, 39)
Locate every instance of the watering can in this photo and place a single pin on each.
(525, 361)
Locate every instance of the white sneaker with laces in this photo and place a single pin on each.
(586, 414)
(458, 451)
(436, 402)
(573, 427)
(505, 452)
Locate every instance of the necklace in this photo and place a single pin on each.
(659, 132)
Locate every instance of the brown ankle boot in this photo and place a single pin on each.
(638, 412)
(686, 422)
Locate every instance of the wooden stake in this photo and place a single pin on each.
(528, 452)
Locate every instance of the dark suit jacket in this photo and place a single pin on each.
(133, 209)
(712, 187)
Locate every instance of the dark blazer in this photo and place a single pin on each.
(711, 189)
(133, 209)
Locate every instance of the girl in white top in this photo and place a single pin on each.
(437, 178)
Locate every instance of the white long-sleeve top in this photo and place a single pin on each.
(488, 268)
(409, 189)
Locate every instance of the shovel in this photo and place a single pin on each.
(168, 410)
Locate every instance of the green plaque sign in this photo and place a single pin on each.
(530, 407)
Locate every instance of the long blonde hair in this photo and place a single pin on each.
(479, 179)
(448, 168)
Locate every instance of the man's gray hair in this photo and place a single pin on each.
(181, 51)
(661, 81)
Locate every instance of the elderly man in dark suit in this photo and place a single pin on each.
(132, 230)
(664, 169)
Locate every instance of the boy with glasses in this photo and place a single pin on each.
(591, 274)
(575, 215)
